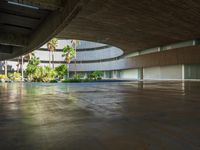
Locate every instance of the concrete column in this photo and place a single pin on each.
(104, 74)
(22, 68)
(114, 74)
(183, 72)
(193, 42)
(68, 71)
(6, 68)
(140, 73)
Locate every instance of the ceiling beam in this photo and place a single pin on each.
(7, 49)
(54, 24)
(13, 39)
(42, 4)
(49, 28)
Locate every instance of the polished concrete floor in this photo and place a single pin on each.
(100, 116)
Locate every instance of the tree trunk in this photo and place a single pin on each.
(68, 71)
(5, 68)
(53, 59)
(22, 69)
(49, 58)
(75, 60)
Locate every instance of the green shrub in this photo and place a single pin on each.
(43, 74)
(77, 77)
(96, 75)
(36, 73)
(72, 81)
(61, 71)
(53, 81)
(32, 67)
(91, 76)
(2, 76)
(16, 76)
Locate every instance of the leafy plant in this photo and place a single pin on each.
(16, 76)
(75, 43)
(61, 71)
(77, 76)
(32, 67)
(4, 77)
(51, 45)
(69, 53)
(90, 76)
(44, 74)
(96, 75)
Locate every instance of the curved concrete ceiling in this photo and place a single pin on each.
(26, 25)
(128, 24)
(135, 25)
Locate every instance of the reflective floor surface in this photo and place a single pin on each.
(100, 116)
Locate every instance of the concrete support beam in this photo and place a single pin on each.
(183, 71)
(13, 39)
(44, 4)
(6, 49)
(48, 28)
(53, 24)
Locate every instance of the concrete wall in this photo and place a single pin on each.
(178, 45)
(148, 51)
(97, 55)
(129, 74)
(164, 72)
(192, 71)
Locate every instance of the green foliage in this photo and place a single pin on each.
(70, 50)
(96, 75)
(2, 76)
(36, 73)
(32, 67)
(90, 76)
(77, 77)
(61, 71)
(16, 76)
(53, 81)
(44, 74)
(52, 44)
(72, 80)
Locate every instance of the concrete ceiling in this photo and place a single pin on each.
(129, 24)
(26, 25)
(136, 25)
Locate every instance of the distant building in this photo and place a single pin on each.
(111, 60)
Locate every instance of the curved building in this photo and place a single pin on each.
(88, 53)
(174, 61)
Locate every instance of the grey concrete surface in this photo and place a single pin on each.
(100, 116)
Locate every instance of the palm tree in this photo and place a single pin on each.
(69, 53)
(51, 45)
(26, 57)
(18, 64)
(6, 68)
(75, 43)
(22, 69)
